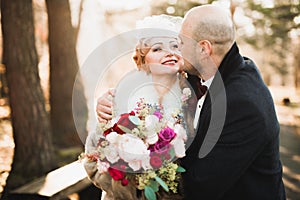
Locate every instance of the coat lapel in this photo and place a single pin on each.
(230, 63)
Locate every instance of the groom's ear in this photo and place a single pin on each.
(205, 47)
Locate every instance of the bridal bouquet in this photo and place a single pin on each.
(141, 148)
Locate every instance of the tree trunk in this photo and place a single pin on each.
(297, 64)
(31, 127)
(3, 84)
(63, 70)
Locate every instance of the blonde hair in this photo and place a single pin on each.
(141, 50)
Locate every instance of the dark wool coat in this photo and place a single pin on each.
(235, 154)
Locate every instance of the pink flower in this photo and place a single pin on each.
(161, 147)
(158, 114)
(167, 134)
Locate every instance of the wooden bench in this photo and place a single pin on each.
(62, 183)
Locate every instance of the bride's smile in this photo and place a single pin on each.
(164, 56)
(170, 62)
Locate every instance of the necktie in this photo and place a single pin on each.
(195, 82)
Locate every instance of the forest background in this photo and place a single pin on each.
(46, 44)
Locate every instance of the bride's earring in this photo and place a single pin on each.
(183, 74)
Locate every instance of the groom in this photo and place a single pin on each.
(242, 159)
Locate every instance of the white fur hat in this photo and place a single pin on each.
(158, 26)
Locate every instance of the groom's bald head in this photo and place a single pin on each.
(212, 23)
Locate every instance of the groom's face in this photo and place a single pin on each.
(188, 49)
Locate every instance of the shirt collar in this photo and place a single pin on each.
(208, 82)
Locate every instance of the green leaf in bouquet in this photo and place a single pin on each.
(172, 153)
(134, 119)
(125, 129)
(149, 193)
(154, 185)
(180, 169)
(162, 183)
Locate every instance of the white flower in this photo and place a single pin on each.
(180, 132)
(133, 151)
(151, 125)
(179, 147)
(113, 138)
(171, 122)
(152, 137)
(102, 166)
(187, 92)
(135, 165)
(146, 162)
(143, 162)
(178, 141)
(151, 122)
(111, 153)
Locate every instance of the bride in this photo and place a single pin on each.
(156, 82)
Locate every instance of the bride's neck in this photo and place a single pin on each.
(163, 84)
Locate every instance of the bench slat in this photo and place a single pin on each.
(58, 183)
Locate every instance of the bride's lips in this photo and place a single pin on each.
(170, 62)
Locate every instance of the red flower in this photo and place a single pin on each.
(155, 161)
(132, 113)
(116, 174)
(117, 129)
(124, 182)
(125, 121)
(108, 131)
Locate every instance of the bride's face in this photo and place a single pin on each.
(164, 56)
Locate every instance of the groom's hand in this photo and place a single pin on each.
(104, 106)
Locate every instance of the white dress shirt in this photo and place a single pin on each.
(201, 101)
